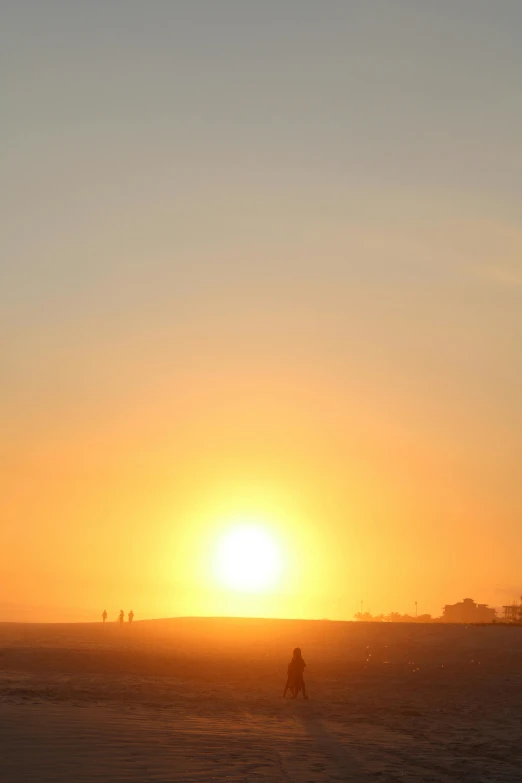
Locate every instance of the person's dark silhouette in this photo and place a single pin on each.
(104, 615)
(121, 617)
(294, 680)
(131, 616)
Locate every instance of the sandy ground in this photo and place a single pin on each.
(200, 700)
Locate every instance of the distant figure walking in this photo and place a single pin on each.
(121, 617)
(104, 615)
(294, 680)
(131, 616)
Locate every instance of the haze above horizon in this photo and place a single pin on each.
(261, 291)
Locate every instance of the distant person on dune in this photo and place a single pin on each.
(121, 617)
(104, 615)
(295, 681)
(131, 616)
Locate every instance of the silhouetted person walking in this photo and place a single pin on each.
(121, 617)
(104, 615)
(131, 616)
(294, 680)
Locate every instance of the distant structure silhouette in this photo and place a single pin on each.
(467, 611)
(513, 612)
(121, 617)
(294, 680)
(131, 616)
(104, 615)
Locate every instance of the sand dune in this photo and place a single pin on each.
(200, 700)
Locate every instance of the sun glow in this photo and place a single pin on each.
(248, 559)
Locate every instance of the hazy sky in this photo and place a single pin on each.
(260, 260)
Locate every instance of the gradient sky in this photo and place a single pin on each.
(260, 261)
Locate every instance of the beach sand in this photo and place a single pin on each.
(200, 700)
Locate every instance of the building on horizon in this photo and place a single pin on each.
(467, 611)
(513, 612)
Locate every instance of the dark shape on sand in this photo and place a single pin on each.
(295, 681)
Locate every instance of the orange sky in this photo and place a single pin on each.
(251, 278)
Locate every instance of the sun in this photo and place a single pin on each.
(248, 559)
